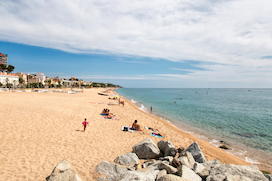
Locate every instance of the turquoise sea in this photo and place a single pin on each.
(241, 117)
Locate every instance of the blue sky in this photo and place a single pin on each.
(155, 43)
(96, 67)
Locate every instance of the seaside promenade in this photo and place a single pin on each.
(38, 130)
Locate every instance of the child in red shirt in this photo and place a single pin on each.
(85, 123)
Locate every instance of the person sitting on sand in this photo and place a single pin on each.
(105, 112)
(85, 123)
(135, 126)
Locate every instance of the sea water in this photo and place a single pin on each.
(239, 116)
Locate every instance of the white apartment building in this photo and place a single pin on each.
(6, 78)
(41, 77)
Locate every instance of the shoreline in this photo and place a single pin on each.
(197, 136)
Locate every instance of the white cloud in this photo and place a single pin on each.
(229, 32)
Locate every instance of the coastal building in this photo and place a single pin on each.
(6, 78)
(66, 83)
(23, 76)
(36, 78)
(41, 77)
(3, 58)
(74, 82)
(55, 81)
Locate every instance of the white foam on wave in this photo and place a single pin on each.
(251, 161)
(214, 142)
(142, 107)
(133, 101)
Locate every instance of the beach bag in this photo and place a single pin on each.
(125, 128)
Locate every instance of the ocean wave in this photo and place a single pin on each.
(143, 108)
(249, 160)
(133, 101)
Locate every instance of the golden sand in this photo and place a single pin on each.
(38, 130)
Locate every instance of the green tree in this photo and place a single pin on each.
(6, 68)
(10, 68)
(3, 67)
(21, 80)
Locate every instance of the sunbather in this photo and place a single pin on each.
(105, 112)
(135, 126)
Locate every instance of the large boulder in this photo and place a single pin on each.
(170, 169)
(167, 158)
(268, 176)
(167, 148)
(155, 165)
(195, 150)
(171, 177)
(201, 170)
(187, 173)
(110, 171)
(129, 160)
(147, 175)
(186, 160)
(63, 172)
(161, 173)
(223, 172)
(146, 149)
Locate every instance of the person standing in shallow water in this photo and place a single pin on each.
(85, 123)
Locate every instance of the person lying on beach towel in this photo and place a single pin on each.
(154, 132)
(110, 116)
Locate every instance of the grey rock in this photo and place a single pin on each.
(167, 148)
(178, 161)
(195, 150)
(180, 149)
(168, 168)
(171, 177)
(167, 158)
(268, 176)
(147, 175)
(149, 162)
(161, 173)
(203, 169)
(129, 160)
(187, 160)
(110, 171)
(187, 173)
(63, 172)
(199, 169)
(224, 172)
(224, 147)
(191, 159)
(153, 164)
(146, 149)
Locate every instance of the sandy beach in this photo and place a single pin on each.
(38, 130)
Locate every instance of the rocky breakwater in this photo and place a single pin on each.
(164, 162)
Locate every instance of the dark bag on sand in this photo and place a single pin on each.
(125, 128)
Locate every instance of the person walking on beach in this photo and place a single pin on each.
(85, 123)
(151, 109)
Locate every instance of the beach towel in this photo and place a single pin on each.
(156, 135)
(127, 128)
